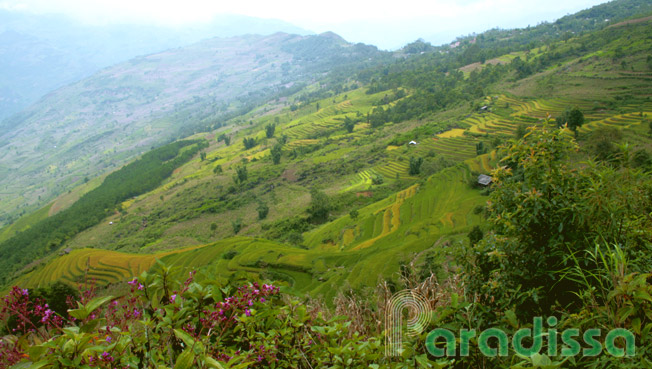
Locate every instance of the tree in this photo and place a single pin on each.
(354, 214)
(224, 138)
(320, 206)
(521, 130)
(276, 153)
(248, 142)
(546, 211)
(218, 169)
(202, 156)
(415, 165)
(240, 175)
(573, 118)
(236, 225)
(263, 210)
(475, 235)
(213, 227)
(349, 124)
(269, 130)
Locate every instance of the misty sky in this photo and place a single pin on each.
(387, 24)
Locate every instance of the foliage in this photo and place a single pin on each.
(574, 118)
(276, 151)
(249, 142)
(320, 206)
(542, 209)
(475, 235)
(240, 175)
(262, 210)
(269, 130)
(236, 225)
(133, 179)
(415, 165)
(349, 124)
(164, 321)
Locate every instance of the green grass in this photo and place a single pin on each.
(24, 223)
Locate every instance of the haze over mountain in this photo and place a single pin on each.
(88, 126)
(39, 53)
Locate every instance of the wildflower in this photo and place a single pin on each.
(173, 297)
(140, 286)
(247, 312)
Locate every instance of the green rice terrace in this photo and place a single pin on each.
(398, 174)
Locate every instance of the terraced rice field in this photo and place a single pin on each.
(619, 121)
(100, 265)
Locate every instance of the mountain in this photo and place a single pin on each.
(347, 177)
(368, 168)
(39, 53)
(97, 123)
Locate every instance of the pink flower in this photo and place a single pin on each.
(140, 286)
(247, 312)
(173, 297)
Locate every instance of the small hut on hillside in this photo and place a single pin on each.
(484, 180)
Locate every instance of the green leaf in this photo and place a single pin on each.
(540, 360)
(212, 363)
(22, 365)
(185, 337)
(97, 302)
(185, 360)
(511, 318)
(35, 352)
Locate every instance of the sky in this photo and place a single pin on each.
(386, 24)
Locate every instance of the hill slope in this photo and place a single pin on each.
(98, 123)
(335, 184)
(42, 52)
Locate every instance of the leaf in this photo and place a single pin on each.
(185, 337)
(22, 365)
(35, 352)
(540, 360)
(212, 363)
(511, 318)
(185, 360)
(97, 302)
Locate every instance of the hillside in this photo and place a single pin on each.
(321, 186)
(97, 124)
(42, 52)
(409, 215)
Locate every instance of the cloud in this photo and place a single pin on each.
(380, 22)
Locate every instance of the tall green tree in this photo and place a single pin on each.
(320, 206)
(249, 142)
(574, 118)
(349, 124)
(276, 151)
(240, 175)
(415, 166)
(269, 130)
